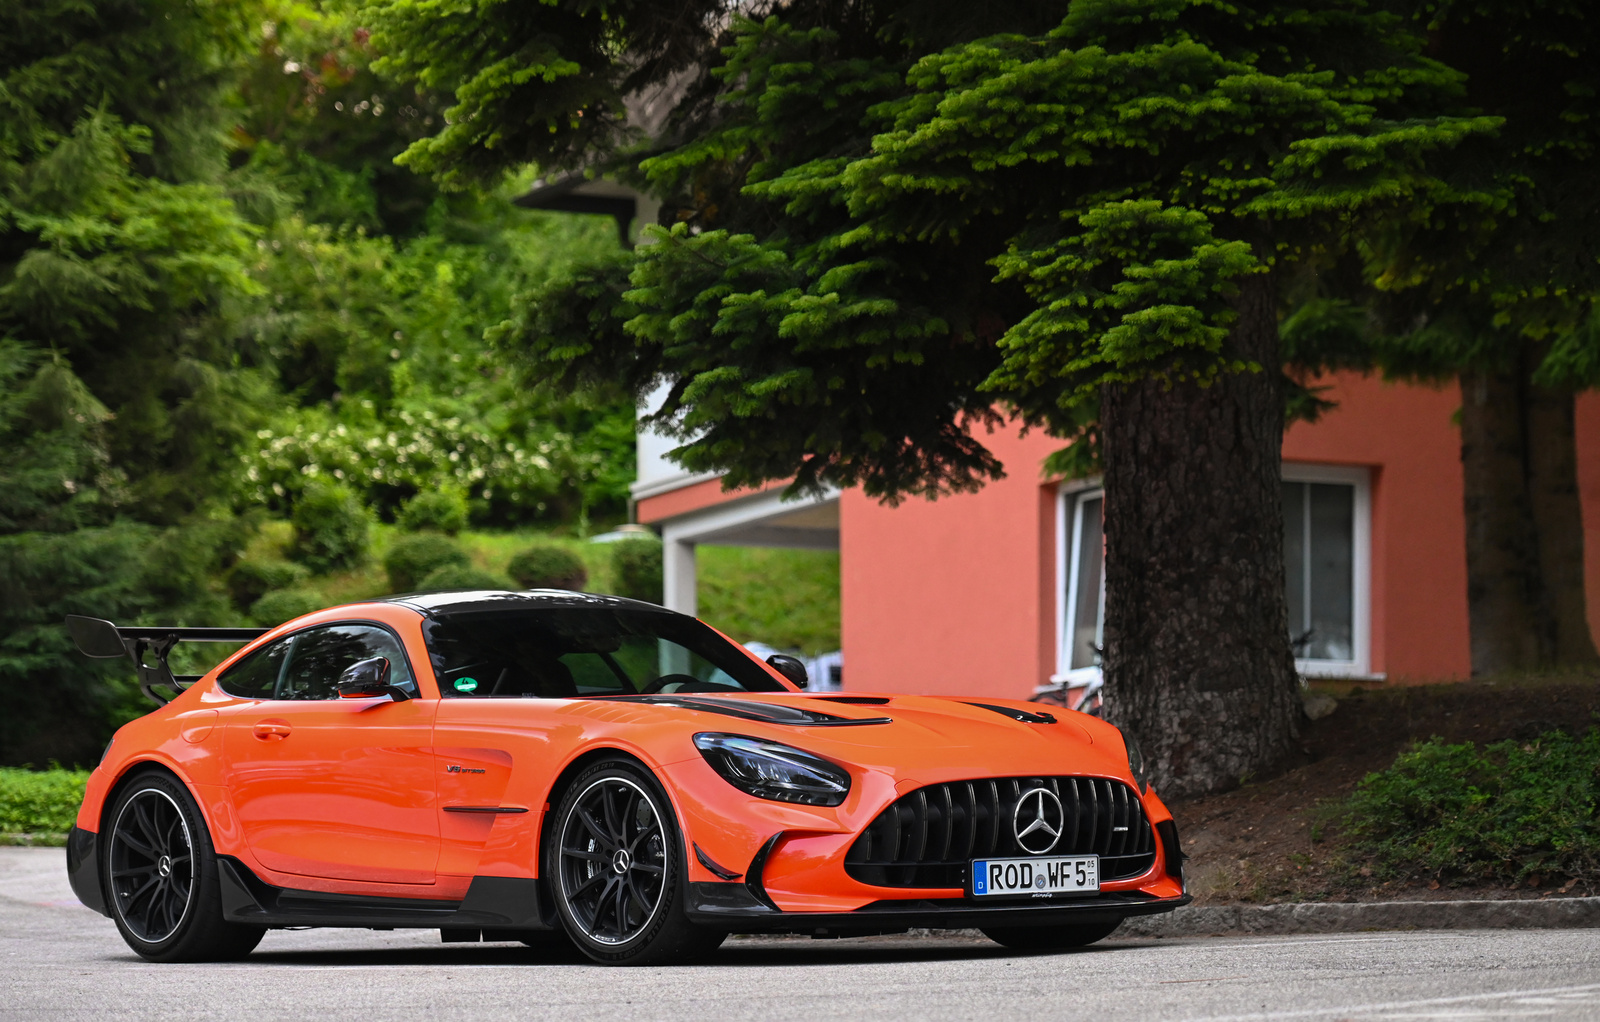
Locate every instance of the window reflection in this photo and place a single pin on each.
(1319, 568)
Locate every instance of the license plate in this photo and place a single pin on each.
(1048, 875)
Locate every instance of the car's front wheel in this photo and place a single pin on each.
(1049, 938)
(616, 866)
(161, 877)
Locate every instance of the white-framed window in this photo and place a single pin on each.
(1080, 577)
(1327, 514)
(1327, 558)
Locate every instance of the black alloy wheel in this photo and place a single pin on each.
(616, 861)
(1049, 938)
(161, 877)
(151, 865)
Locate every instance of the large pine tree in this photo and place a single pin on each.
(893, 219)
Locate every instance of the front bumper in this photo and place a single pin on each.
(738, 909)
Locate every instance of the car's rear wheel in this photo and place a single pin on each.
(615, 861)
(1049, 938)
(161, 877)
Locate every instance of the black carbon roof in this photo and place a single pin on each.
(479, 600)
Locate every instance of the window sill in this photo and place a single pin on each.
(1341, 670)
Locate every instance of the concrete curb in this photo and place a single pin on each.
(1354, 917)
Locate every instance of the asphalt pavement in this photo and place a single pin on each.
(59, 961)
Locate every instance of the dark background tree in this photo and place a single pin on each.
(893, 218)
(122, 262)
(1499, 293)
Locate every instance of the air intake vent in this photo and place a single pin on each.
(928, 837)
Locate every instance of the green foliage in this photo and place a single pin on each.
(122, 405)
(442, 510)
(380, 343)
(459, 576)
(788, 599)
(914, 234)
(319, 131)
(412, 558)
(40, 802)
(1496, 814)
(540, 89)
(64, 550)
(331, 528)
(411, 454)
(252, 578)
(282, 605)
(636, 569)
(547, 567)
(205, 248)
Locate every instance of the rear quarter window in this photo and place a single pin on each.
(256, 676)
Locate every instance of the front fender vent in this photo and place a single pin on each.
(928, 837)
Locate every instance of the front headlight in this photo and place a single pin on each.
(778, 772)
(1135, 761)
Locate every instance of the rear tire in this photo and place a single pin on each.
(1049, 938)
(615, 859)
(160, 874)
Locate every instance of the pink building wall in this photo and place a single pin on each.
(957, 596)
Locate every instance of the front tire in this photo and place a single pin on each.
(161, 881)
(615, 861)
(1049, 938)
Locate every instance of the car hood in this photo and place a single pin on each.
(925, 738)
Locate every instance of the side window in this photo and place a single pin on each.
(320, 655)
(257, 675)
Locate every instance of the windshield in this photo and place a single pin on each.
(562, 652)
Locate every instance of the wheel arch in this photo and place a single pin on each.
(132, 771)
(580, 763)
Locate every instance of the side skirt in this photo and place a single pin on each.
(492, 903)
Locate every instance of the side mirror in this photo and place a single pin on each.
(368, 678)
(790, 667)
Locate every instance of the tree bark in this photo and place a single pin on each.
(1551, 424)
(1505, 598)
(1198, 663)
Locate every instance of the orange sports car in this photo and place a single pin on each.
(517, 766)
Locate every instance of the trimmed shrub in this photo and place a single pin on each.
(636, 569)
(331, 528)
(282, 605)
(40, 801)
(252, 579)
(462, 576)
(412, 558)
(1508, 811)
(442, 510)
(548, 567)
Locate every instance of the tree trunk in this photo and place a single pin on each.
(1551, 424)
(1505, 600)
(1198, 663)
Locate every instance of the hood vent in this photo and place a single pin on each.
(1022, 715)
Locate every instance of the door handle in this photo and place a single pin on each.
(272, 730)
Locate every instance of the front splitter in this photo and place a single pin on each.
(733, 907)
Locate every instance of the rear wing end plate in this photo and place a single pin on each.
(96, 637)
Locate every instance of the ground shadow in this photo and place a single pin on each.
(739, 953)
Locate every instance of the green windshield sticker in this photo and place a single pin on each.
(466, 684)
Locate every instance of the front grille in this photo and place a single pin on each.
(927, 838)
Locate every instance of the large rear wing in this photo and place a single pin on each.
(102, 639)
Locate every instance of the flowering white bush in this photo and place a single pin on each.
(507, 478)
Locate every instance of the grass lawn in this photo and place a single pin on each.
(785, 598)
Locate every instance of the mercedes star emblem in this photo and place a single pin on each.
(1045, 820)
